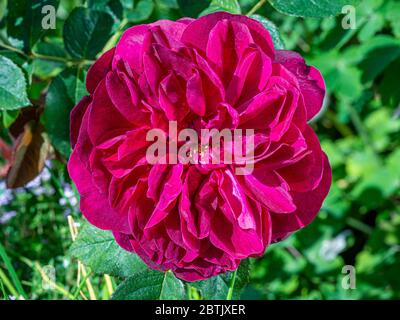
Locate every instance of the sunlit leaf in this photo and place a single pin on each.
(13, 93)
(150, 285)
(98, 250)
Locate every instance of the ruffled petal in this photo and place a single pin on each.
(311, 82)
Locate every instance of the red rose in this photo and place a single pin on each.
(218, 71)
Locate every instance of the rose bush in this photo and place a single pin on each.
(218, 71)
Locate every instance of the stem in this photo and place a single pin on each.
(67, 61)
(80, 286)
(11, 271)
(109, 285)
(343, 129)
(35, 55)
(195, 294)
(3, 291)
(188, 292)
(257, 6)
(359, 225)
(81, 268)
(231, 286)
(46, 57)
(8, 284)
(5, 46)
(56, 286)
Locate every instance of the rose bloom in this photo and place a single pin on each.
(218, 71)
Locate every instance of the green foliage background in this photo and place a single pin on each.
(359, 224)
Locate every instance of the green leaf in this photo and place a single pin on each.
(192, 8)
(231, 6)
(374, 24)
(64, 93)
(311, 8)
(24, 21)
(113, 7)
(378, 53)
(166, 9)
(12, 86)
(13, 274)
(388, 88)
(340, 74)
(46, 69)
(150, 285)
(86, 32)
(380, 125)
(273, 31)
(216, 288)
(169, 3)
(393, 15)
(3, 6)
(372, 190)
(8, 117)
(98, 250)
(141, 11)
(378, 264)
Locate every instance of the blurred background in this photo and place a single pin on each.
(358, 226)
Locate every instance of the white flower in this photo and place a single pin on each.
(35, 183)
(331, 248)
(45, 175)
(5, 197)
(66, 263)
(7, 216)
(39, 191)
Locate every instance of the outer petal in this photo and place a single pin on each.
(197, 32)
(123, 240)
(134, 41)
(99, 70)
(306, 174)
(94, 205)
(130, 48)
(311, 82)
(308, 205)
(76, 117)
(105, 121)
(270, 190)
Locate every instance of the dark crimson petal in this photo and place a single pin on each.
(125, 96)
(102, 108)
(99, 70)
(305, 174)
(123, 240)
(197, 33)
(308, 205)
(94, 205)
(250, 77)
(270, 189)
(76, 117)
(311, 82)
(130, 48)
